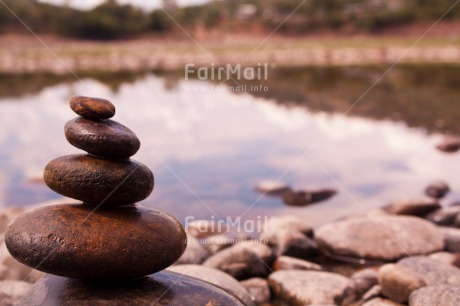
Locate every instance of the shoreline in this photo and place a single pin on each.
(69, 56)
(357, 260)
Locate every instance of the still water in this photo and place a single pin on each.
(209, 148)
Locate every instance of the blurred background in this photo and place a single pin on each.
(359, 93)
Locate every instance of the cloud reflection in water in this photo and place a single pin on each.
(221, 144)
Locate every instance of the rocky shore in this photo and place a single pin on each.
(406, 253)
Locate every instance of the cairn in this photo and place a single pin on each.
(107, 240)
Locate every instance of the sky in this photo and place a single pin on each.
(146, 4)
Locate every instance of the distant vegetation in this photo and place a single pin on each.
(111, 20)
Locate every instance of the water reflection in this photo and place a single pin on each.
(422, 96)
(208, 149)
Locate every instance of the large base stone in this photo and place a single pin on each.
(163, 288)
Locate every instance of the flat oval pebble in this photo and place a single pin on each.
(110, 243)
(162, 288)
(92, 108)
(383, 238)
(98, 181)
(106, 138)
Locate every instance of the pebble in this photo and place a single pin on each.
(399, 282)
(105, 138)
(162, 288)
(295, 244)
(291, 263)
(412, 207)
(384, 238)
(115, 243)
(436, 295)
(445, 216)
(242, 264)
(297, 198)
(437, 190)
(97, 181)
(311, 287)
(433, 272)
(364, 280)
(449, 144)
(215, 277)
(322, 195)
(302, 198)
(243, 260)
(258, 288)
(92, 108)
(452, 239)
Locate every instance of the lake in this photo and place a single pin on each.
(209, 147)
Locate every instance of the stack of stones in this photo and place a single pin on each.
(107, 237)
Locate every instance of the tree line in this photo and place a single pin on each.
(111, 20)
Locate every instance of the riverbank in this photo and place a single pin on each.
(27, 54)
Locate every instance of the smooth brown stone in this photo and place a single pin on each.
(163, 288)
(449, 144)
(437, 190)
(106, 138)
(303, 198)
(297, 198)
(110, 243)
(92, 108)
(418, 207)
(99, 181)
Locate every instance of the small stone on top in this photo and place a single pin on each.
(92, 108)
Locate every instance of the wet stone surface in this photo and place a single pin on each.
(96, 180)
(92, 108)
(72, 241)
(163, 288)
(105, 138)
